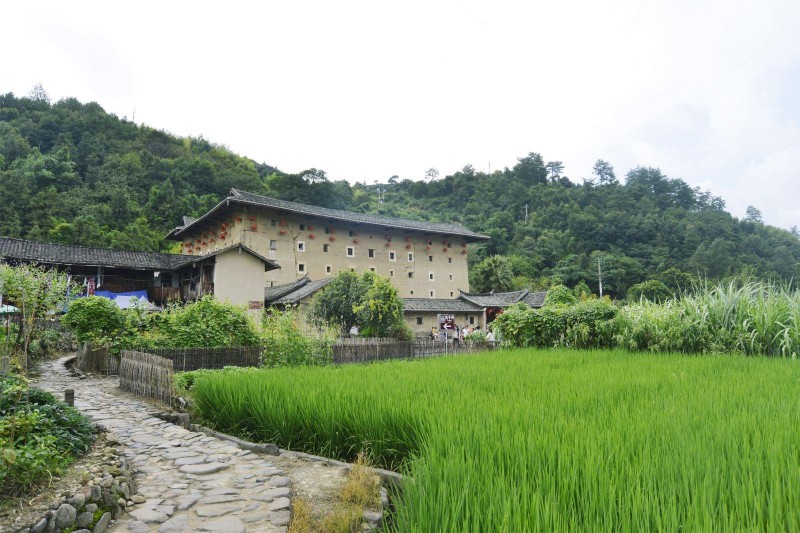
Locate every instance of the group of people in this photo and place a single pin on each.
(459, 335)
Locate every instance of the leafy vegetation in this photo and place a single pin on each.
(71, 173)
(544, 440)
(751, 318)
(39, 436)
(205, 322)
(35, 291)
(286, 345)
(369, 302)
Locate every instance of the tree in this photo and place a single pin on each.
(369, 302)
(431, 174)
(554, 168)
(35, 291)
(492, 274)
(604, 172)
(753, 215)
(38, 94)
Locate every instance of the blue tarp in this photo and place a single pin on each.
(123, 299)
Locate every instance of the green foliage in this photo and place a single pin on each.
(652, 290)
(286, 345)
(544, 440)
(369, 302)
(36, 291)
(492, 274)
(94, 319)
(560, 295)
(208, 322)
(582, 325)
(39, 436)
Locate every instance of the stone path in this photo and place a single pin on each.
(185, 481)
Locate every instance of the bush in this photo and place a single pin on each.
(560, 295)
(94, 319)
(208, 322)
(39, 435)
(285, 345)
(583, 325)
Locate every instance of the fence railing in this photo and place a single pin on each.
(146, 375)
(344, 351)
(186, 359)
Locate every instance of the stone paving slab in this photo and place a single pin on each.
(185, 481)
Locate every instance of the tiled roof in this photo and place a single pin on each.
(440, 305)
(504, 299)
(247, 198)
(67, 254)
(277, 291)
(271, 265)
(301, 292)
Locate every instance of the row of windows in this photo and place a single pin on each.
(350, 251)
(301, 267)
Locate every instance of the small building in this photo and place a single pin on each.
(234, 274)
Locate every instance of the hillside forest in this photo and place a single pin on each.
(72, 173)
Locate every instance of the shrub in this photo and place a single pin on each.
(94, 319)
(209, 322)
(583, 325)
(285, 345)
(39, 435)
(560, 295)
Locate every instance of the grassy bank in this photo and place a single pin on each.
(531, 440)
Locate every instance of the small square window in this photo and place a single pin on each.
(391, 273)
(302, 227)
(411, 292)
(301, 246)
(371, 252)
(273, 245)
(273, 223)
(450, 276)
(301, 267)
(419, 320)
(351, 252)
(471, 320)
(410, 275)
(350, 234)
(449, 259)
(430, 258)
(328, 269)
(324, 247)
(432, 296)
(327, 231)
(392, 256)
(372, 269)
(451, 294)
(430, 276)
(411, 257)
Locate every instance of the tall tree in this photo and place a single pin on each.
(604, 172)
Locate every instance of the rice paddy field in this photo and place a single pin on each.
(543, 440)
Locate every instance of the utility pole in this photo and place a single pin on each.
(600, 277)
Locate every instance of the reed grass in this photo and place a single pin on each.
(529, 440)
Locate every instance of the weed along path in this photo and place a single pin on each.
(187, 481)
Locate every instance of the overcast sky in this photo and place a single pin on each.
(708, 91)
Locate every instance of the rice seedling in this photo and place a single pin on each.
(530, 440)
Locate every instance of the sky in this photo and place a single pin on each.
(707, 91)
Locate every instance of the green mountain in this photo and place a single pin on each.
(72, 173)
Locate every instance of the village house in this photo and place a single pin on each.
(162, 277)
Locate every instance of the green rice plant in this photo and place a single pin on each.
(531, 440)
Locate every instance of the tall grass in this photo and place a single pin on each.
(530, 440)
(753, 318)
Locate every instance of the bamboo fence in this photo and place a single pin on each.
(146, 375)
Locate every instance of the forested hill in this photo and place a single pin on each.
(72, 173)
